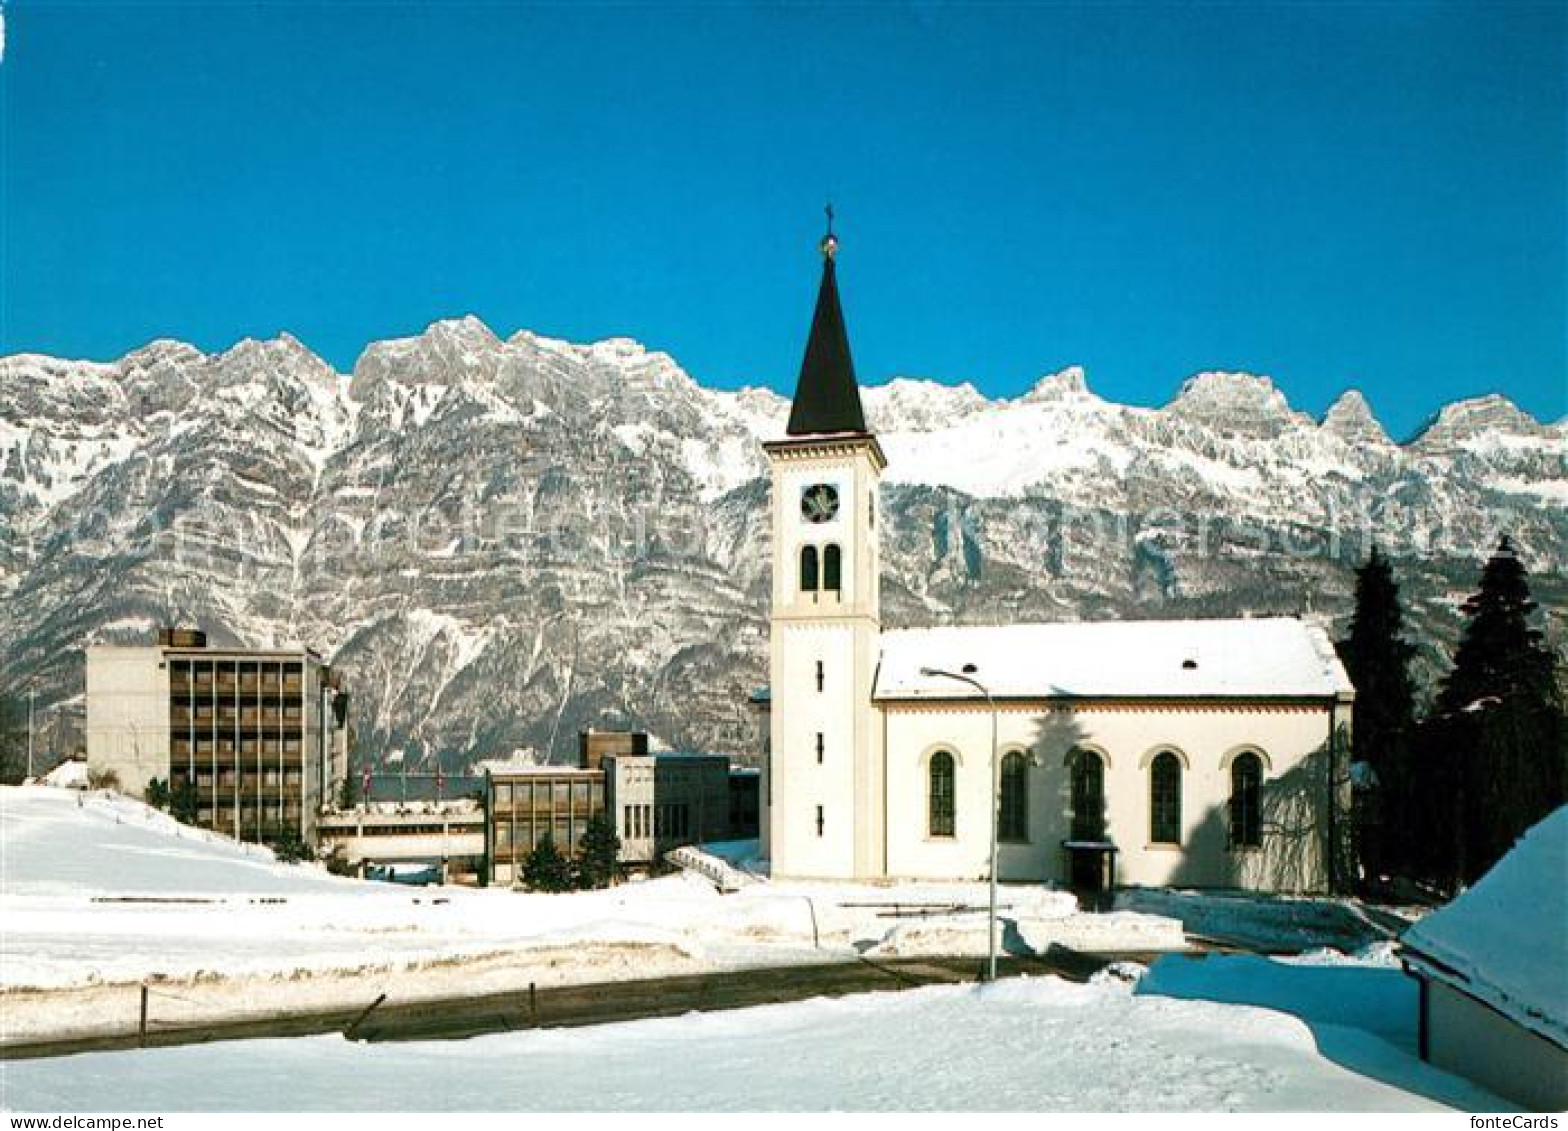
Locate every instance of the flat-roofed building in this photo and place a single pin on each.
(593, 746)
(448, 834)
(666, 800)
(524, 803)
(261, 734)
(655, 802)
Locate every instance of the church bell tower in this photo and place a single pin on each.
(824, 774)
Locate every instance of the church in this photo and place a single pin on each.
(1194, 753)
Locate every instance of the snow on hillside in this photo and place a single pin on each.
(64, 842)
(1099, 1047)
(604, 517)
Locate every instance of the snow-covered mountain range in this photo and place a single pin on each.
(501, 541)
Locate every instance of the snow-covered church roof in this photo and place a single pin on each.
(1250, 658)
(1504, 941)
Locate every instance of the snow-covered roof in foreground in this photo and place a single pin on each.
(1264, 657)
(1505, 940)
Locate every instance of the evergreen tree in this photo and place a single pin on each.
(348, 791)
(545, 869)
(1498, 722)
(598, 854)
(184, 802)
(1377, 658)
(157, 793)
(13, 739)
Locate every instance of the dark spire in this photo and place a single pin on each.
(826, 396)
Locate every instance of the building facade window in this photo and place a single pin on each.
(1088, 796)
(809, 574)
(832, 569)
(940, 802)
(1014, 806)
(819, 747)
(1246, 813)
(820, 821)
(821, 675)
(1165, 799)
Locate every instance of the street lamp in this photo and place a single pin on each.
(32, 696)
(967, 676)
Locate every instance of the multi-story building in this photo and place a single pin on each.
(525, 803)
(662, 801)
(656, 802)
(260, 734)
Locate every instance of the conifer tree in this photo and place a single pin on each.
(1499, 722)
(1377, 659)
(598, 854)
(184, 802)
(545, 869)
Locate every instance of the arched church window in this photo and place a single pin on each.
(832, 568)
(1014, 814)
(1088, 796)
(941, 801)
(1165, 799)
(1246, 813)
(809, 578)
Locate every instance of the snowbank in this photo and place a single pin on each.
(1506, 939)
(70, 774)
(1272, 923)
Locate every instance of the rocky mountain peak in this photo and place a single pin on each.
(915, 404)
(1350, 419)
(1061, 385)
(445, 352)
(1465, 420)
(1234, 404)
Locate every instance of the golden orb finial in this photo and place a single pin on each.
(829, 243)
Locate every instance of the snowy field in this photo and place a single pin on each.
(1320, 1037)
(98, 893)
(99, 896)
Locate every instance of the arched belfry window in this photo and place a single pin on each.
(1246, 811)
(1014, 809)
(809, 572)
(832, 569)
(1088, 796)
(1165, 799)
(941, 800)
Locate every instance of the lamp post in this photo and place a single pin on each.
(32, 696)
(966, 676)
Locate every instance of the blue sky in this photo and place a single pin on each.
(1348, 194)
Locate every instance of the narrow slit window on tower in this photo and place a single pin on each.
(819, 748)
(820, 675)
(820, 821)
(832, 569)
(809, 579)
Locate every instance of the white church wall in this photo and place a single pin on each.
(1291, 739)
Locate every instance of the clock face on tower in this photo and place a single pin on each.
(819, 502)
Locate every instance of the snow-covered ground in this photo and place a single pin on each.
(1325, 1038)
(99, 893)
